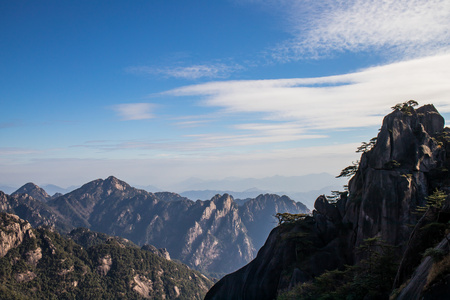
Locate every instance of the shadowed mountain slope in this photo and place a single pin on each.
(352, 247)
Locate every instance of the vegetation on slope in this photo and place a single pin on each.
(48, 266)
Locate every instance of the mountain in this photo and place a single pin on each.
(93, 202)
(208, 194)
(34, 191)
(168, 196)
(36, 212)
(215, 236)
(42, 264)
(203, 234)
(391, 229)
(87, 238)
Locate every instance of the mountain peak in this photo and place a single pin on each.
(116, 183)
(34, 191)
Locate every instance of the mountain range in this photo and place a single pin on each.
(215, 236)
(303, 188)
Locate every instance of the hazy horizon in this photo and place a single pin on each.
(156, 92)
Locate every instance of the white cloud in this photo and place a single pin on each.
(134, 111)
(218, 70)
(405, 27)
(334, 102)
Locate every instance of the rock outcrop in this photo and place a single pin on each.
(13, 231)
(406, 164)
(392, 178)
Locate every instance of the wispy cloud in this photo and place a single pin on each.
(192, 123)
(17, 151)
(334, 102)
(134, 111)
(403, 27)
(218, 70)
(199, 144)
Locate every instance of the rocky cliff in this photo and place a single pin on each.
(368, 230)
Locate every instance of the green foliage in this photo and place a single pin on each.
(439, 270)
(406, 107)
(443, 137)
(335, 196)
(350, 170)
(435, 200)
(392, 164)
(435, 254)
(68, 271)
(284, 218)
(366, 147)
(87, 238)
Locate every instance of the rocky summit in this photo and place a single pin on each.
(386, 237)
(34, 191)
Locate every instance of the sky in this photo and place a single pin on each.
(156, 92)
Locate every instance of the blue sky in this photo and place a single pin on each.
(155, 92)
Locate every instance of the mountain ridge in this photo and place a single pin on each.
(205, 235)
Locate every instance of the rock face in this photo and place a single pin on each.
(392, 177)
(204, 247)
(407, 163)
(13, 231)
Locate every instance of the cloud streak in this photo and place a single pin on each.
(333, 102)
(134, 111)
(404, 27)
(193, 72)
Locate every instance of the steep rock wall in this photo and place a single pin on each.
(391, 181)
